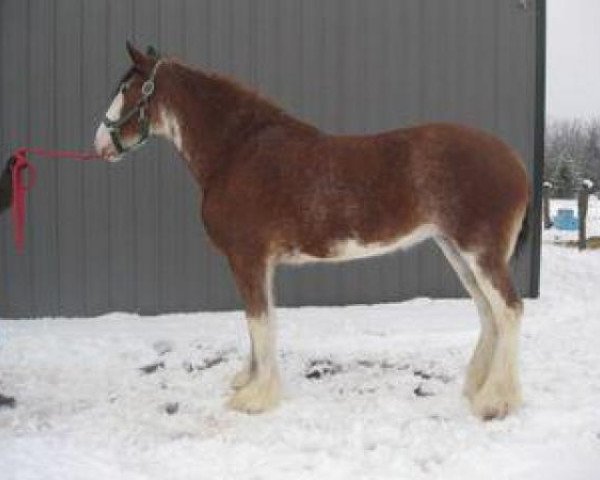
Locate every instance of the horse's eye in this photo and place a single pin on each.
(123, 88)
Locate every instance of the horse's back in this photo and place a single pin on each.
(312, 190)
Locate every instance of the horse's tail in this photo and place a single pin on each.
(523, 233)
(6, 193)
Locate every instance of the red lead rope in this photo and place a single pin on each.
(20, 186)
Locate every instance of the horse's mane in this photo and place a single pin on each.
(259, 103)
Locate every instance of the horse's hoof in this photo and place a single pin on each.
(257, 396)
(494, 407)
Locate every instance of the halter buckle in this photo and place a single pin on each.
(148, 88)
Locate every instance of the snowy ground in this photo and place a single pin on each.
(372, 392)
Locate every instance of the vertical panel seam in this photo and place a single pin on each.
(31, 308)
(86, 296)
(538, 157)
(4, 305)
(158, 301)
(55, 164)
(110, 298)
(133, 195)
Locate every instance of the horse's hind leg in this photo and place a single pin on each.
(500, 393)
(479, 365)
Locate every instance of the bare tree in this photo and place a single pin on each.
(572, 154)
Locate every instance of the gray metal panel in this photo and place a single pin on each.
(121, 199)
(96, 221)
(16, 292)
(172, 206)
(128, 237)
(42, 232)
(145, 183)
(70, 212)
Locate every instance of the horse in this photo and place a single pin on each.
(277, 190)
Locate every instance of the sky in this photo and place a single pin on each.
(573, 59)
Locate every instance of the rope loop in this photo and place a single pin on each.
(23, 177)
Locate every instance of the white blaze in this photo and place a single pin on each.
(103, 142)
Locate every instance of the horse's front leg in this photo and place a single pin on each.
(258, 384)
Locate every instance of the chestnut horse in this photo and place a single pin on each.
(278, 190)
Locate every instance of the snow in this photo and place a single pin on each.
(85, 410)
(588, 183)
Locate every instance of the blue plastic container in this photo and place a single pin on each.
(565, 219)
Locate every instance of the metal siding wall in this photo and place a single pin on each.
(16, 295)
(171, 262)
(119, 197)
(200, 255)
(42, 212)
(70, 212)
(127, 237)
(95, 81)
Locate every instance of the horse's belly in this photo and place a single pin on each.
(353, 249)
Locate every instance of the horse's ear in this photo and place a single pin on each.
(152, 52)
(142, 61)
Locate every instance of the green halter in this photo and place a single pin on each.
(143, 120)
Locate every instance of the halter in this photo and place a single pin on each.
(114, 126)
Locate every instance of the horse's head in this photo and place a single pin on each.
(133, 114)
